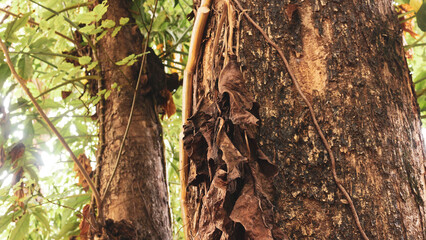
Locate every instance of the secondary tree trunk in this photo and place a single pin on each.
(349, 60)
(138, 192)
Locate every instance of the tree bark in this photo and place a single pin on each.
(138, 196)
(349, 59)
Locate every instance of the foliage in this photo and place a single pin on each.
(412, 18)
(39, 192)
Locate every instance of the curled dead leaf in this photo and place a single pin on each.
(233, 176)
(86, 165)
(84, 224)
(17, 152)
(168, 106)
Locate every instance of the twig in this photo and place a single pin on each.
(82, 4)
(132, 107)
(314, 119)
(48, 122)
(194, 49)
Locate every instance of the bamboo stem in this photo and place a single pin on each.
(194, 49)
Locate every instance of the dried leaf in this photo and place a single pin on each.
(169, 106)
(65, 94)
(84, 224)
(407, 24)
(290, 10)
(232, 84)
(86, 165)
(17, 152)
(230, 172)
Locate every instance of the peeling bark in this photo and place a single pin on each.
(349, 59)
(137, 200)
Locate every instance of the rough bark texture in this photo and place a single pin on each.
(138, 192)
(349, 59)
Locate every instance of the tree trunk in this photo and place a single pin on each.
(349, 60)
(137, 199)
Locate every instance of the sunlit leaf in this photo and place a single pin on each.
(416, 4)
(15, 25)
(100, 10)
(92, 65)
(5, 220)
(108, 23)
(159, 20)
(124, 20)
(21, 228)
(115, 32)
(25, 67)
(41, 216)
(84, 60)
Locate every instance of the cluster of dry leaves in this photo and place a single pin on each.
(227, 169)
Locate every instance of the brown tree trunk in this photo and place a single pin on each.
(349, 60)
(138, 192)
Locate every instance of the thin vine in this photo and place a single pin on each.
(133, 104)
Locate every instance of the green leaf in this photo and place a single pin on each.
(70, 226)
(65, 66)
(74, 201)
(107, 93)
(90, 29)
(108, 23)
(81, 127)
(84, 60)
(101, 35)
(4, 74)
(28, 132)
(126, 60)
(415, 4)
(85, 18)
(123, 20)
(159, 20)
(421, 17)
(25, 67)
(100, 10)
(41, 216)
(29, 169)
(50, 104)
(21, 228)
(5, 220)
(92, 65)
(115, 32)
(15, 25)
